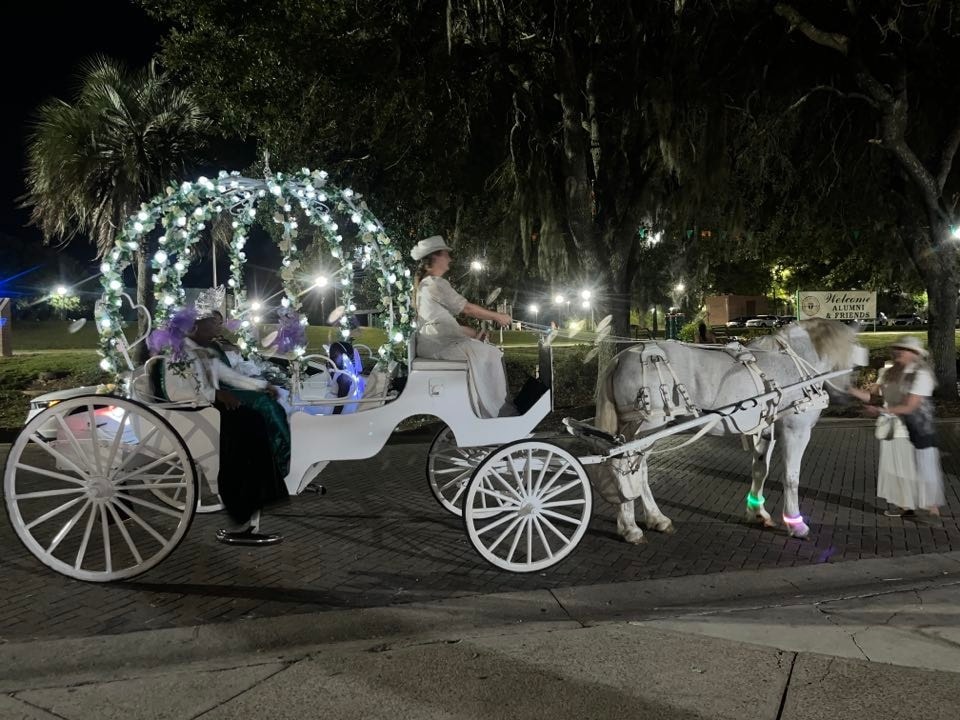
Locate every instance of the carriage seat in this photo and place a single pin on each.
(433, 365)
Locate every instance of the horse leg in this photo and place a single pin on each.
(760, 470)
(652, 517)
(627, 524)
(795, 441)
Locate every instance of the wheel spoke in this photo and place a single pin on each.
(543, 474)
(117, 438)
(505, 484)
(543, 538)
(516, 476)
(59, 456)
(516, 538)
(563, 503)
(66, 430)
(530, 519)
(457, 494)
(86, 538)
(47, 493)
(504, 500)
(51, 474)
(528, 473)
(556, 476)
(458, 479)
(556, 532)
(145, 525)
(516, 521)
(107, 555)
(124, 533)
(558, 516)
(166, 458)
(53, 513)
(67, 527)
(95, 440)
(152, 506)
(495, 524)
(155, 486)
(560, 491)
(142, 445)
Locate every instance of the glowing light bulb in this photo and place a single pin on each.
(106, 365)
(138, 227)
(321, 281)
(160, 256)
(398, 337)
(115, 284)
(255, 306)
(168, 300)
(105, 268)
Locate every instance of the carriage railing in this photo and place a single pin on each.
(617, 446)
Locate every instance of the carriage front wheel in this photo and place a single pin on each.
(527, 506)
(84, 503)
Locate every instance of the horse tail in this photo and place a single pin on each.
(605, 417)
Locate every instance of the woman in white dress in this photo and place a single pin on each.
(441, 337)
(910, 476)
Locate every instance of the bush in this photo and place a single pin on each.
(688, 333)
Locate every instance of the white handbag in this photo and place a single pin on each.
(886, 426)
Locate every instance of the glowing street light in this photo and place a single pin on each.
(255, 306)
(559, 300)
(680, 287)
(585, 304)
(61, 290)
(476, 266)
(955, 233)
(321, 281)
(585, 295)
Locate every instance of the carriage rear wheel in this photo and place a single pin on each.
(449, 469)
(527, 506)
(85, 504)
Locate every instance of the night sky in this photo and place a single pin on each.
(44, 44)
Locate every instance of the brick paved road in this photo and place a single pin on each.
(378, 537)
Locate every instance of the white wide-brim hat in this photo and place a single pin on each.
(909, 342)
(430, 245)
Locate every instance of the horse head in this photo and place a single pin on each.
(828, 345)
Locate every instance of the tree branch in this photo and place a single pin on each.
(950, 148)
(834, 41)
(829, 88)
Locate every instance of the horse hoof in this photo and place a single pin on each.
(799, 531)
(757, 519)
(667, 529)
(635, 538)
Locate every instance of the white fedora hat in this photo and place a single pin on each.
(909, 342)
(432, 244)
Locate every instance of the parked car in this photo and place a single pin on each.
(908, 319)
(739, 322)
(763, 321)
(785, 320)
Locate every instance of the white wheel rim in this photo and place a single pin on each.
(85, 504)
(528, 506)
(449, 469)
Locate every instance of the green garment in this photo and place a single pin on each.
(277, 424)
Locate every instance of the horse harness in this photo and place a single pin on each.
(655, 362)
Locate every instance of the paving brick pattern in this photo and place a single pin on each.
(378, 537)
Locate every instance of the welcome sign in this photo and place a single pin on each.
(837, 305)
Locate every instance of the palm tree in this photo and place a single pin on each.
(92, 163)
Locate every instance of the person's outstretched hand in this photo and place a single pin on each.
(502, 319)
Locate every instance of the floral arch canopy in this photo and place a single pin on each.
(346, 234)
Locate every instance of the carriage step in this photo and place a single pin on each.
(582, 429)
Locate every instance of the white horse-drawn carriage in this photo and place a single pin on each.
(103, 487)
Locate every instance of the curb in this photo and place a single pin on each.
(52, 663)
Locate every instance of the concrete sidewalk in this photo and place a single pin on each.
(869, 639)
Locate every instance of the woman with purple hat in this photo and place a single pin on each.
(441, 337)
(910, 476)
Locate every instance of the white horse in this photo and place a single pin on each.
(641, 393)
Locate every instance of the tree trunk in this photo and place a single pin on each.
(941, 280)
(144, 298)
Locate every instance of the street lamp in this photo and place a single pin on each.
(476, 266)
(321, 281)
(61, 290)
(535, 309)
(680, 287)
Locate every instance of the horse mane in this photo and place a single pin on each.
(832, 340)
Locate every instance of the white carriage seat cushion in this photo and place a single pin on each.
(434, 365)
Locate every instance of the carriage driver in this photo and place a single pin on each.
(254, 435)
